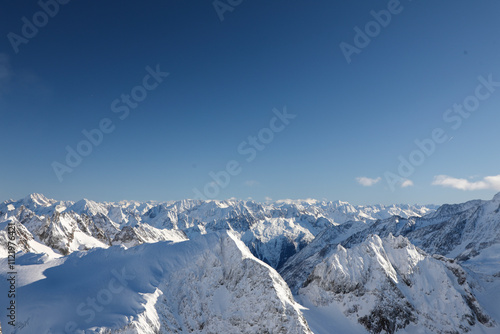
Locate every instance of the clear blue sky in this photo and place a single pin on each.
(225, 77)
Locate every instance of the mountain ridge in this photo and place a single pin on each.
(66, 226)
(311, 265)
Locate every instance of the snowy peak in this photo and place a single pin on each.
(89, 208)
(387, 284)
(273, 231)
(210, 284)
(390, 258)
(37, 203)
(37, 200)
(460, 231)
(363, 268)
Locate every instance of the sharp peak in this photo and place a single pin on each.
(390, 239)
(339, 202)
(84, 200)
(35, 196)
(37, 199)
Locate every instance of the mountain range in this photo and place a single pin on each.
(291, 266)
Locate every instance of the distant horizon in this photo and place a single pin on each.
(244, 200)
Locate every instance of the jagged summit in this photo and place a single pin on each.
(37, 200)
(273, 231)
(363, 268)
(85, 206)
(210, 284)
(387, 284)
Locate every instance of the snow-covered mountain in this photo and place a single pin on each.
(209, 266)
(462, 238)
(273, 231)
(210, 284)
(460, 231)
(388, 284)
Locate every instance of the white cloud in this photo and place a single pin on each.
(366, 181)
(407, 183)
(488, 182)
(268, 199)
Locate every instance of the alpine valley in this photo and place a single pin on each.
(290, 266)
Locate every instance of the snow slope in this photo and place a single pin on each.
(272, 231)
(460, 231)
(207, 266)
(210, 284)
(388, 284)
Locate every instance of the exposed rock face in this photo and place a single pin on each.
(211, 284)
(459, 231)
(273, 231)
(388, 284)
(382, 269)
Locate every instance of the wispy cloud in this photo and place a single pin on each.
(367, 182)
(268, 199)
(407, 183)
(488, 182)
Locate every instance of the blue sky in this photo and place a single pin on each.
(352, 121)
